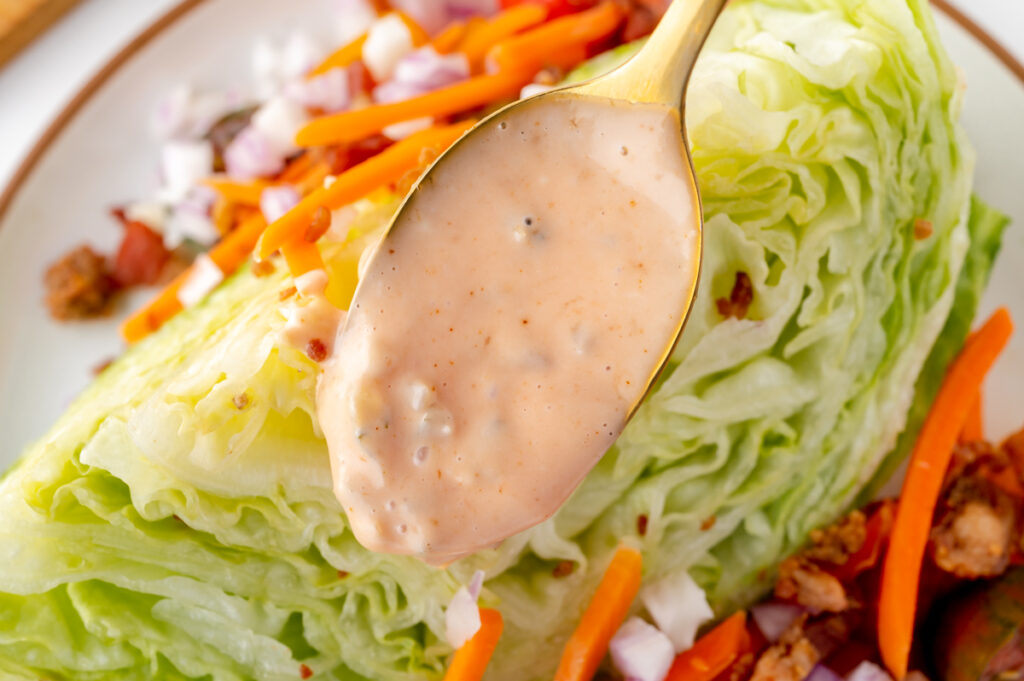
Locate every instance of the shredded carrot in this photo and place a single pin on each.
(713, 652)
(974, 428)
(608, 608)
(342, 57)
(157, 311)
(313, 178)
(228, 255)
(243, 193)
(298, 167)
(302, 257)
(449, 39)
(932, 452)
(533, 49)
(386, 167)
(470, 661)
(350, 126)
(419, 36)
(508, 23)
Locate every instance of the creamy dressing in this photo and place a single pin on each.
(508, 324)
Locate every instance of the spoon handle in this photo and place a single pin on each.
(659, 73)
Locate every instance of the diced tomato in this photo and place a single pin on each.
(141, 257)
(556, 8)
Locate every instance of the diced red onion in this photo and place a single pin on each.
(678, 606)
(184, 114)
(299, 54)
(251, 154)
(280, 119)
(387, 41)
(641, 652)
(435, 15)
(189, 221)
(462, 618)
(774, 618)
(274, 64)
(203, 278)
(329, 92)
(420, 72)
(278, 200)
(182, 165)
(822, 673)
(868, 671)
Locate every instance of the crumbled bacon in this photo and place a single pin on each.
(79, 285)
(836, 543)
(316, 350)
(738, 302)
(804, 582)
(641, 525)
(305, 672)
(318, 225)
(974, 536)
(564, 568)
(263, 268)
(791, 659)
(922, 229)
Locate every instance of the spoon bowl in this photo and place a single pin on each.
(522, 303)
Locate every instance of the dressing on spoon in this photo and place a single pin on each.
(521, 304)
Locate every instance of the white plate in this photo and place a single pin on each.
(99, 154)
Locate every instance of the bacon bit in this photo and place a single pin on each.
(836, 543)
(564, 568)
(641, 525)
(305, 672)
(922, 229)
(141, 257)
(708, 523)
(318, 225)
(287, 293)
(263, 268)
(738, 302)
(241, 401)
(102, 366)
(342, 574)
(803, 582)
(79, 285)
(316, 350)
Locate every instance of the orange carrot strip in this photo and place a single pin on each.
(157, 311)
(419, 36)
(350, 126)
(470, 661)
(508, 23)
(974, 428)
(340, 58)
(235, 248)
(297, 168)
(608, 608)
(313, 178)
(228, 255)
(448, 39)
(531, 50)
(901, 571)
(358, 181)
(713, 652)
(302, 257)
(244, 193)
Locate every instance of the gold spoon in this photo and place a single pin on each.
(658, 74)
(515, 314)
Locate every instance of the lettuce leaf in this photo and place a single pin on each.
(178, 522)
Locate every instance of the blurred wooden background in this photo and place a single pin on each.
(22, 20)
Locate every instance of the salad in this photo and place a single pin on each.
(179, 520)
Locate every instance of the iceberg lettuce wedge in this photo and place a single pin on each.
(178, 522)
